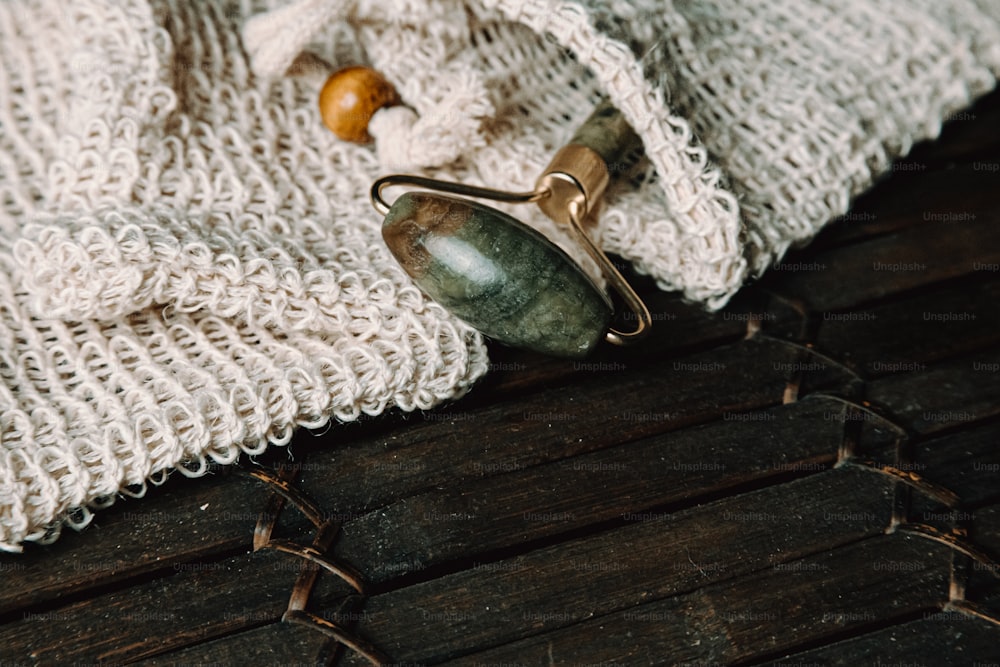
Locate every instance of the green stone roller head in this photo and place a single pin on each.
(501, 276)
(497, 274)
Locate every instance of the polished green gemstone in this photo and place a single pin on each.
(497, 274)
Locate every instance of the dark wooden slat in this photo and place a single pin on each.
(944, 638)
(849, 276)
(182, 524)
(458, 445)
(907, 334)
(776, 609)
(274, 644)
(985, 530)
(968, 460)
(543, 500)
(615, 570)
(983, 586)
(945, 395)
(898, 202)
(191, 606)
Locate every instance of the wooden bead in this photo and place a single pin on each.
(350, 97)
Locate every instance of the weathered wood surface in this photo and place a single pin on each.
(743, 488)
(817, 597)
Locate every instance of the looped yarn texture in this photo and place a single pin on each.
(192, 269)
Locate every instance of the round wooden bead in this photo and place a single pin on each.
(350, 97)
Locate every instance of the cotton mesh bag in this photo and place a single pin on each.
(191, 265)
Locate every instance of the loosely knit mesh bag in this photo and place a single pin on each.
(191, 267)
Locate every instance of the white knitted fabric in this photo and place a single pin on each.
(191, 266)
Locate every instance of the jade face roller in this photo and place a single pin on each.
(501, 276)
(496, 273)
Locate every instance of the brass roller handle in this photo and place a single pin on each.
(575, 180)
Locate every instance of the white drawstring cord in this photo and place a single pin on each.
(405, 140)
(274, 39)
